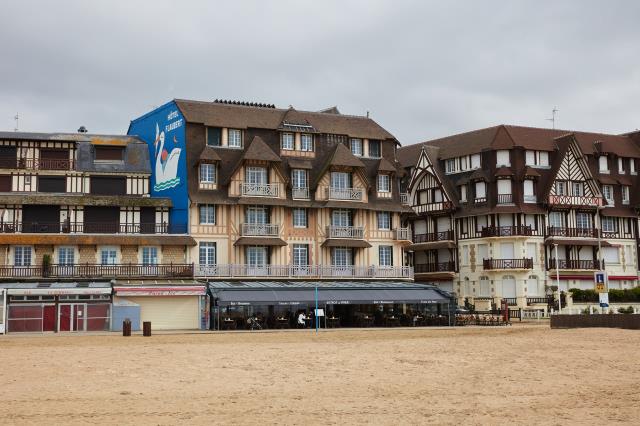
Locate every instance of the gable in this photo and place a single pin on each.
(424, 179)
(574, 168)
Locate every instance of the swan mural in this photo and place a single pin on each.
(166, 163)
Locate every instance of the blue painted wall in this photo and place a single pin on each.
(163, 129)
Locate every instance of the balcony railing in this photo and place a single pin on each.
(539, 300)
(304, 271)
(260, 230)
(572, 232)
(422, 268)
(299, 193)
(36, 163)
(574, 264)
(350, 194)
(530, 199)
(403, 234)
(569, 200)
(433, 237)
(404, 198)
(505, 198)
(432, 207)
(505, 231)
(87, 270)
(523, 263)
(91, 228)
(480, 201)
(353, 232)
(259, 189)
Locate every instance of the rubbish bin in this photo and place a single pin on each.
(126, 327)
(146, 328)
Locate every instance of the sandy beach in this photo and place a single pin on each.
(516, 375)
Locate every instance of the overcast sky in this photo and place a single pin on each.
(422, 69)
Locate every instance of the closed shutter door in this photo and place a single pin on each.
(419, 227)
(169, 313)
(507, 250)
(443, 224)
(508, 287)
(5, 183)
(505, 219)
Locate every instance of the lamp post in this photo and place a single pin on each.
(555, 247)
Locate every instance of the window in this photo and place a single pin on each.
(109, 153)
(341, 217)
(502, 158)
(603, 163)
(22, 256)
(621, 166)
(207, 214)
(340, 180)
(481, 222)
(463, 193)
(306, 142)
(625, 194)
(530, 158)
(450, 165)
(384, 183)
(483, 253)
(583, 220)
(300, 254)
(385, 255)
(106, 185)
(537, 158)
(58, 184)
(108, 256)
(299, 218)
(543, 158)
(214, 136)
(356, 147)
(235, 138)
(481, 190)
(607, 192)
(608, 224)
(341, 256)
(207, 253)
(256, 175)
(556, 219)
(577, 189)
(504, 187)
(149, 256)
(257, 215)
(208, 173)
(299, 178)
(611, 255)
(632, 166)
(257, 256)
(465, 255)
(374, 149)
(66, 256)
(561, 187)
(287, 141)
(529, 195)
(384, 221)
(475, 161)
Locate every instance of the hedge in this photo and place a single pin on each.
(615, 296)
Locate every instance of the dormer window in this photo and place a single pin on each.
(625, 194)
(235, 138)
(463, 193)
(561, 188)
(109, 153)
(537, 158)
(632, 166)
(207, 173)
(214, 136)
(577, 189)
(374, 149)
(356, 147)
(306, 142)
(502, 158)
(603, 163)
(621, 166)
(607, 192)
(287, 141)
(384, 183)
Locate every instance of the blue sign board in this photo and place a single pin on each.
(163, 129)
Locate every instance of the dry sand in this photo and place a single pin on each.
(515, 375)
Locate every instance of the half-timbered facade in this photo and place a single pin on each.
(526, 206)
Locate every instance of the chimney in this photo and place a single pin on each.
(82, 129)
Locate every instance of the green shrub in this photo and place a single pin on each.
(615, 296)
(628, 310)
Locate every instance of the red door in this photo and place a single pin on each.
(79, 315)
(49, 318)
(64, 317)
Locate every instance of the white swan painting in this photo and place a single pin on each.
(166, 163)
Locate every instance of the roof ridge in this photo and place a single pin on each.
(451, 136)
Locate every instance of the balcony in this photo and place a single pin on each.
(505, 199)
(36, 163)
(402, 234)
(530, 199)
(433, 237)
(439, 206)
(348, 194)
(554, 231)
(575, 264)
(505, 231)
(480, 201)
(259, 189)
(567, 200)
(351, 232)
(425, 268)
(304, 271)
(404, 198)
(300, 193)
(260, 230)
(87, 270)
(91, 228)
(491, 264)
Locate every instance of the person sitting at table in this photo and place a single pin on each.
(301, 320)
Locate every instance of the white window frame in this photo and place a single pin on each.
(22, 256)
(575, 186)
(584, 220)
(208, 173)
(603, 164)
(450, 165)
(385, 256)
(341, 256)
(306, 142)
(625, 194)
(299, 217)
(475, 161)
(234, 138)
(66, 256)
(463, 193)
(384, 183)
(608, 190)
(256, 175)
(111, 257)
(340, 180)
(621, 166)
(287, 141)
(149, 255)
(556, 219)
(356, 147)
(608, 224)
(299, 178)
(300, 254)
(383, 220)
(481, 193)
(503, 158)
(207, 214)
(561, 187)
(207, 252)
